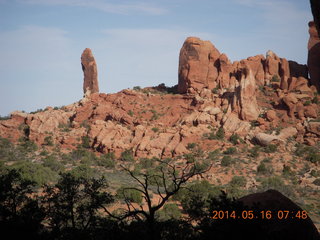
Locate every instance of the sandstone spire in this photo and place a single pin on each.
(89, 67)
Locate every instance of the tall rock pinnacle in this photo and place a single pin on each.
(89, 67)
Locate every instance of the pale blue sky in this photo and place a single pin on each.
(135, 43)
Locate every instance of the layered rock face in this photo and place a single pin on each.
(314, 55)
(89, 67)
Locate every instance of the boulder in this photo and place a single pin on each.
(89, 68)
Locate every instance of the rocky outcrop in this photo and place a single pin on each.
(197, 65)
(314, 55)
(90, 72)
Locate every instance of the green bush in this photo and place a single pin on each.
(317, 182)
(83, 171)
(129, 194)
(230, 150)
(146, 163)
(235, 139)
(239, 181)
(313, 157)
(48, 141)
(155, 129)
(52, 163)
(27, 145)
(127, 155)
(278, 184)
(35, 172)
(85, 142)
(107, 160)
(213, 155)
(195, 198)
(191, 146)
(271, 148)
(264, 169)
(226, 161)
(254, 152)
(168, 212)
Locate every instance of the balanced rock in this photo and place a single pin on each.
(197, 65)
(89, 67)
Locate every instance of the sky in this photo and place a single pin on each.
(135, 42)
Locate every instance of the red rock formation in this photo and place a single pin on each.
(272, 65)
(247, 96)
(197, 65)
(89, 67)
(314, 55)
(256, 64)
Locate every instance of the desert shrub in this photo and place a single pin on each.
(317, 182)
(230, 150)
(48, 141)
(278, 184)
(65, 127)
(195, 198)
(307, 103)
(129, 194)
(264, 169)
(83, 171)
(218, 135)
(130, 113)
(168, 212)
(147, 163)
(235, 139)
(226, 161)
(313, 157)
(81, 154)
(127, 155)
(275, 78)
(155, 129)
(107, 160)
(191, 146)
(213, 155)
(315, 173)
(190, 157)
(27, 145)
(286, 171)
(136, 88)
(254, 152)
(310, 153)
(271, 148)
(34, 172)
(52, 163)
(239, 181)
(85, 142)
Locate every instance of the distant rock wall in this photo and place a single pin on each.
(89, 67)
